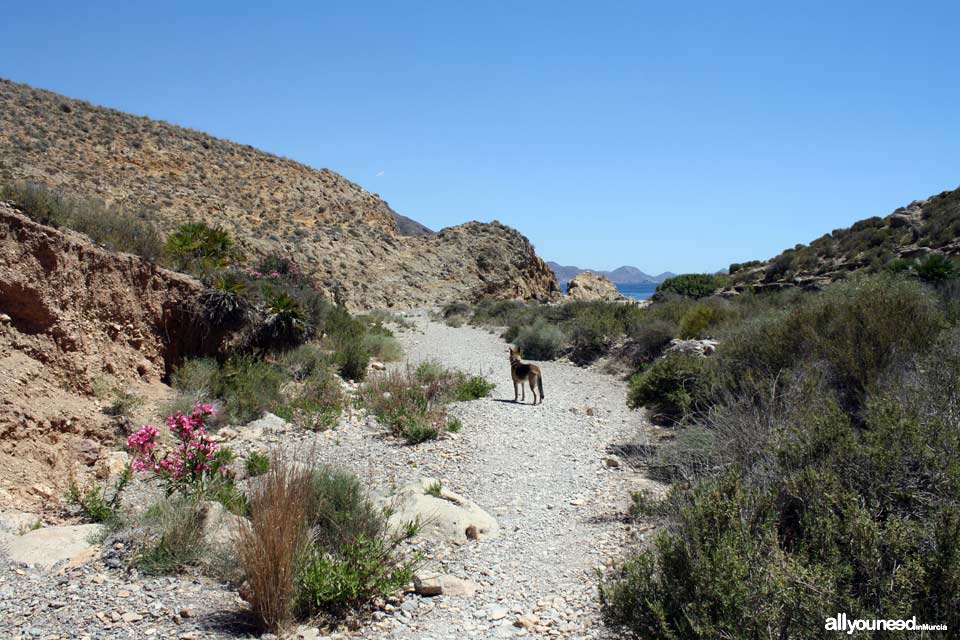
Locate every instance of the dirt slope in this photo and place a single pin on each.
(75, 318)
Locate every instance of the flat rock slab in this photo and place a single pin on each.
(47, 546)
(445, 517)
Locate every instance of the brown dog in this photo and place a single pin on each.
(522, 372)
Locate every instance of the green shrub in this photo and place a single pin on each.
(937, 268)
(196, 247)
(858, 329)
(301, 362)
(317, 404)
(539, 341)
(257, 464)
(691, 285)
(819, 476)
(647, 342)
(698, 319)
(93, 503)
(473, 388)
(411, 404)
(334, 583)
(352, 557)
(197, 379)
(842, 510)
(671, 386)
(352, 359)
(382, 347)
(249, 387)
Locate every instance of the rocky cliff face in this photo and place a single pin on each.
(75, 317)
(923, 227)
(346, 236)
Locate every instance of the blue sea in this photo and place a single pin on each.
(635, 291)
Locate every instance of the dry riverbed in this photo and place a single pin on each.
(545, 472)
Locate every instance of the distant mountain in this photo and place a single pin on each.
(620, 275)
(408, 226)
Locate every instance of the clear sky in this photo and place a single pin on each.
(669, 136)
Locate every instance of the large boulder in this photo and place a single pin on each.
(444, 516)
(587, 286)
(47, 546)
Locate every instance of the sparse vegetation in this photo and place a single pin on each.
(113, 226)
(93, 502)
(413, 403)
(257, 464)
(172, 536)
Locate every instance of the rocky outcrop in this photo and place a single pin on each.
(74, 316)
(587, 286)
(346, 237)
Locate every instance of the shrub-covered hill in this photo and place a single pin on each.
(346, 237)
(909, 234)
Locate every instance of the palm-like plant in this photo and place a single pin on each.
(225, 301)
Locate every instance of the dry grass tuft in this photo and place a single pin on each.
(269, 544)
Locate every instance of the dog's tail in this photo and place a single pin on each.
(540, 386)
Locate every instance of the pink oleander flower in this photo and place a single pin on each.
(188, 461)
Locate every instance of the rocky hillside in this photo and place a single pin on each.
(76, 322)
(346, 236)
(923, 227)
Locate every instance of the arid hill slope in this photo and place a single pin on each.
(921, 228)
(347, 237)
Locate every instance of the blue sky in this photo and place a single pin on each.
(668, 137)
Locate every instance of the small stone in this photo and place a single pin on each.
(377, 366)
(428, 585)
(185, 612)
(528, 621)
(131, 617)
(611, 462)
(497, 613)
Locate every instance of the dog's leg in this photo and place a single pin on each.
(515, 393)
(533, 390)
(523, 392)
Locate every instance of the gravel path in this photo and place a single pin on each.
(540, 470)
(545, 472)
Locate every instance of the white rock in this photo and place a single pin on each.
(450, 517)
(48, 546)
(268, 423)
